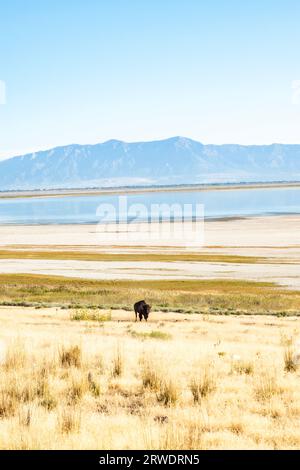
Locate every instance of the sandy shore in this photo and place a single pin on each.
(275, 238)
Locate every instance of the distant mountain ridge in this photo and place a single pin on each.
(177, 160)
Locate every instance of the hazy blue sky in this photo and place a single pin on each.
(85, 71)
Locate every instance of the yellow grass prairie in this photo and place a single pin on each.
(201, 382)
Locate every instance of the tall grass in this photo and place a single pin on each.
(290, 364)
(187, 436)
(203, 384)
(70, 356)
(151, 374)
(177, 394)
(168, 392)
(266, 386)
(94, 387)
(118, 363)
(16, 355)
(77, 388)
(69, 420)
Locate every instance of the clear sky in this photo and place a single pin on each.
(85, 71)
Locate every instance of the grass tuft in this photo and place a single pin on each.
(266, 386)
(290, 365)
(203, 385)
(168, 392)
(151, 375)
(118, 364)
(69, 420)
(70, 356)
(242, 367)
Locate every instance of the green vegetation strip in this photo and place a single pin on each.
(182, 296)
(152, 335)
(87, 256)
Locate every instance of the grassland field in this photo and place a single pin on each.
(217, 365)
(95, 379)
(186, 296)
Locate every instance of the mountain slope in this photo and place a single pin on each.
(172, 161)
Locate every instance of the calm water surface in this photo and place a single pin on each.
(83, 209)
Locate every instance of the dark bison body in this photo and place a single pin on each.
(142, 309)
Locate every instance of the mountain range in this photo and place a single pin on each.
(177, 160)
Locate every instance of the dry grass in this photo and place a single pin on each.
(242, 367)
(266, 386)
(151, 375)
(15, 355)
(203, 385)
(69, 420)
(168, 392)
(222, 383)
(94, 387)
(290, 365)
(89, 256)
(118, 364)
(70, 356)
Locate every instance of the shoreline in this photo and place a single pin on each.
(56, 193)
(221, 218)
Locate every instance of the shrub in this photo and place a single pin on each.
(90, 315)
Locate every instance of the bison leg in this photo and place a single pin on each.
(140, 316)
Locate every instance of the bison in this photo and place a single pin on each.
(142, 309)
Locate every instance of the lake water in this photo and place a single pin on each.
(83, 209)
